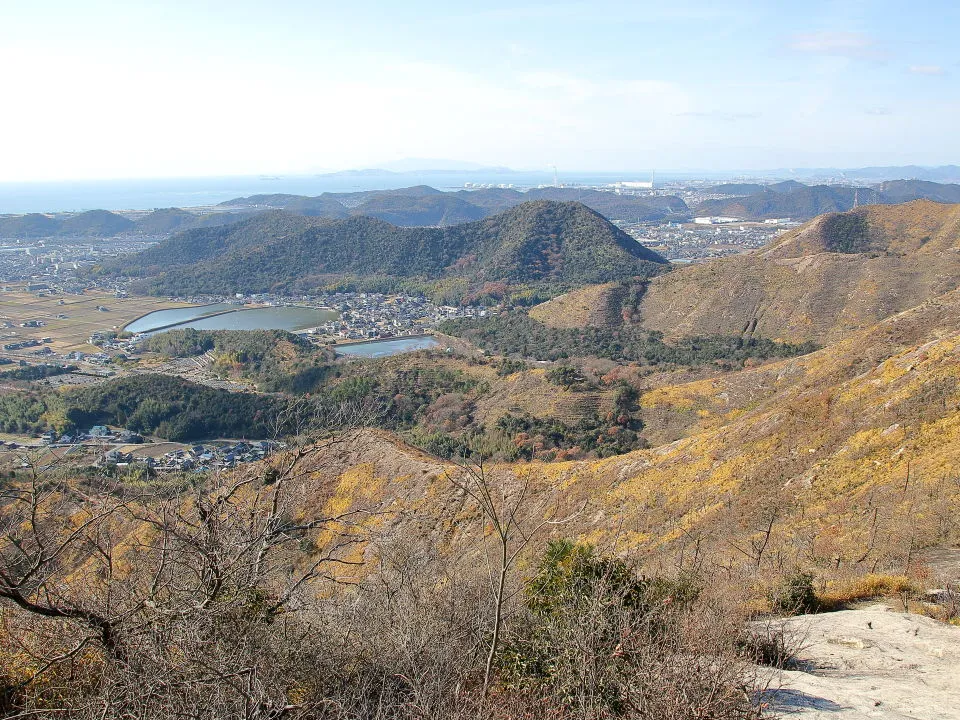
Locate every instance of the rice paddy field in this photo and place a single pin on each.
(69, 320)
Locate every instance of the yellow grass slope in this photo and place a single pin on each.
(795, 290)
(592, 306)
(855, 449)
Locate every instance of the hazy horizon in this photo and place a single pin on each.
(452, 167)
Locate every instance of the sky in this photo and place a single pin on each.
(177, 88)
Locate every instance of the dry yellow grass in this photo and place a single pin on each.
(585, 307)
(866, 587)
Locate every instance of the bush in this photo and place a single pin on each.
(600, 641)
(794, 595)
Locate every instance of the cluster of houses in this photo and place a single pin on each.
(98, 434)
(22, 345)
(197, 457)
(366, 316)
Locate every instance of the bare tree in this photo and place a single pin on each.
(50, 527)
(516, 513)
(179, 587)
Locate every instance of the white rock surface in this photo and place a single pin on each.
(871, 663)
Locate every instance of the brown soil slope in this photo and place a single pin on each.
(797, 289)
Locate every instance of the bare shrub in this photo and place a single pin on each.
(602, 642)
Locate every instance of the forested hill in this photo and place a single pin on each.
(93, 223)
(102, 223)
(799, 203)
(536, 244)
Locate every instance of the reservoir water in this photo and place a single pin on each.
(383, 348)
(160, 318)
(232, 317)
(223, 316)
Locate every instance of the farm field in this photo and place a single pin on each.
(82, 319)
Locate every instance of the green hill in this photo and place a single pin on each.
(799, 203)
(737, 189)
(493, 198)
(325, 205)
(786, 186)
(275, 200)
(202, 244)
(165, 221)
(538, 244)
(898, 191)
(28, 226)
(407, 210)
(796, 200)
(628, 208)
(98, 223)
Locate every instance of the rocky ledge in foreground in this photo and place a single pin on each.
(871, 663)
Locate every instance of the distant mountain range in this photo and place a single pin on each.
(542, 245)
(422, 205)
(425, 206)
(941, 173)
(754, 188)
(802, 202)
(102, 223)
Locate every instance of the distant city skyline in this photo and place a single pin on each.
(108, 89)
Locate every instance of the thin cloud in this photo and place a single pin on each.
(879, 111)
(855, 45)
(926, 70)
(718, 115)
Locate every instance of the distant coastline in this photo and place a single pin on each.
(194, 192)
(50, 197)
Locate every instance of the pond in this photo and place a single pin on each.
(232, 317)
(161, 318)
(384, 348)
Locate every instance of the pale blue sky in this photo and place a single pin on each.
(128, 89)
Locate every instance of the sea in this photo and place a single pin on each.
(147, 194)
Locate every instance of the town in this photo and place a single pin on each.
(707, 237)
(107, 447)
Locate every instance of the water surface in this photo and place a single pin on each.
(223, 316)
(383, 348)
(269, 318)
(160, 318)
